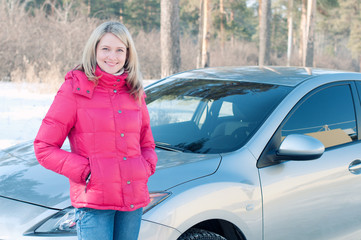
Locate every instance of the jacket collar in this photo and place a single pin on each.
(110, 81)
(83, 86)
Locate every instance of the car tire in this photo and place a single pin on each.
(200, 234)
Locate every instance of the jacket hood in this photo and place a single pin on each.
(80, 83)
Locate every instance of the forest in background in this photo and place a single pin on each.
(40, 40)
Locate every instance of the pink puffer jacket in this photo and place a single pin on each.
(110, 136)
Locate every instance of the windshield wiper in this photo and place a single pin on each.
(168, 147)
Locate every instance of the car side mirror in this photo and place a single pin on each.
(300, 147)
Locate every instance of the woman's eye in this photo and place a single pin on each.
(105, 49)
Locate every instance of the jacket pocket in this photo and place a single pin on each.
(93, 180)
(87, 180)
(146, 166)
(88, 177)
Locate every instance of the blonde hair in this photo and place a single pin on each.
(131, 65)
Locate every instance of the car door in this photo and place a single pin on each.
(317, 199)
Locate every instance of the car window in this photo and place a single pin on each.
(174, 110)
(209, 116)
(327, 114)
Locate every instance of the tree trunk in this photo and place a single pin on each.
(89, 8)
(203, 60)
(310, 33)
(264, 33)
(259, 12)
(303, 36)
(231, 19)
(169, 32)
(290, 31)
(200, 34)
(221, 9)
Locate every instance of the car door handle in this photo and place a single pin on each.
(355, 167)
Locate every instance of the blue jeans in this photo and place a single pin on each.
(93, 224)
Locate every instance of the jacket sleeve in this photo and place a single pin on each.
(54, 129)
(146, 139)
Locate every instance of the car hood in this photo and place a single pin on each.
(174, 168)
(23, 179)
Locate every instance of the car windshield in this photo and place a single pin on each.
(209, 116)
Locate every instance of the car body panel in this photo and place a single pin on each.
(17, 217)
(234, 188)
(286, 76)
(150, 230)
(28, 180)
(317, 199)
(304, 199)
(174, 168)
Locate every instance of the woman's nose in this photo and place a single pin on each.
(112, 55)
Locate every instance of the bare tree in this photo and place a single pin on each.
(303, 36)
(89, 7)
(264, 32)
(203, 57)
(170, 46)
(222, 12)
(290, 31)
(200, 35)
(310, 34)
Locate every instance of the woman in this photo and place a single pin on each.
(101, 109)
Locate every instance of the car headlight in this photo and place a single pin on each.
(155, 199)
(61, 223)
(64, 222)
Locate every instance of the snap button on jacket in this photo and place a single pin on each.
(110, 136)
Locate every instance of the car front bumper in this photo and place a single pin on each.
(17, 217)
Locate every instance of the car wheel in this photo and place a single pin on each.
(200, 234)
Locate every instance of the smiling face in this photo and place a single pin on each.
(111, 53)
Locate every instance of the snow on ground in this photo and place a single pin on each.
(22, 108)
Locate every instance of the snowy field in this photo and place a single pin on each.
(22, 109)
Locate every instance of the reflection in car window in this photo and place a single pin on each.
(174, 110)
(209, 116)
(226, 109)
(205, 112)
(327, 115)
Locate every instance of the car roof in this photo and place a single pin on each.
(287, 76)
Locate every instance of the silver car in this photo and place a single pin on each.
(244, 153)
